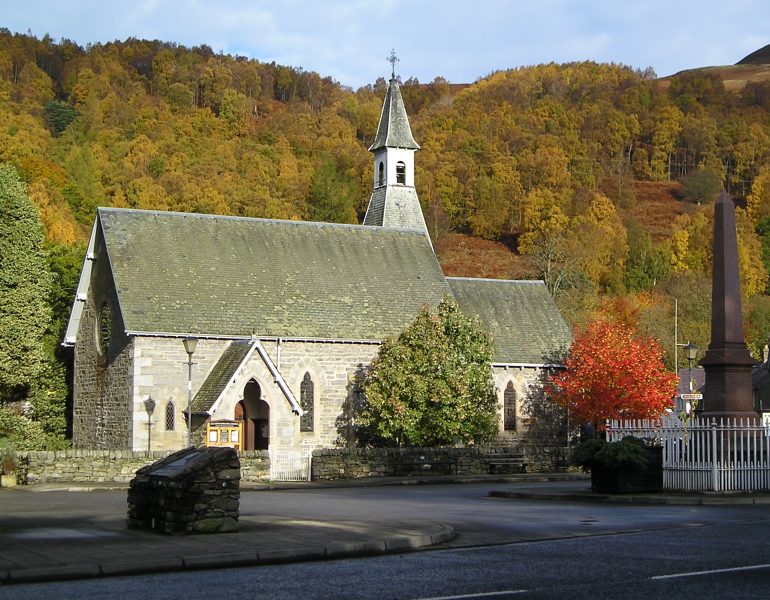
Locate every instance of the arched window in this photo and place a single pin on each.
(306, 401)
(509, 408)
(170, 416)
(381, 173)
(400, 172)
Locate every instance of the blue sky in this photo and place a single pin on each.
(349, 40)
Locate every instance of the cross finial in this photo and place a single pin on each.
(393, 59)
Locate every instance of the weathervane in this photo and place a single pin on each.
(393, 59)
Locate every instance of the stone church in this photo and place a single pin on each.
(280, 318)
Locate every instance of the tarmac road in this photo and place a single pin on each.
(317, 522)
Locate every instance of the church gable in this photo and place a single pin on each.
(220, 376)
(226, 276)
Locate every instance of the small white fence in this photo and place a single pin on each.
(706, 455)
(290, 464)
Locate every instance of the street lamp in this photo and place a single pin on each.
(149, 406)
(691, 352)
(189, 347)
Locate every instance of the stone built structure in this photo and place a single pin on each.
(287, 315)
(728, 364)
(195, 490)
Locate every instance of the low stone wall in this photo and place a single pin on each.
(352, 463)
(120, 466)
(115, 466)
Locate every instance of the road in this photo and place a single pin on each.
(574, 550)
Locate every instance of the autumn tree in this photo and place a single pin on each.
(612, 373)
(432, 385)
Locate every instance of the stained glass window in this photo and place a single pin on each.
(509, 408)
(306, 402)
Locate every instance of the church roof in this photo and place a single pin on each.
(525, 324)
(219, 377)
(183, 274)
(393, 130)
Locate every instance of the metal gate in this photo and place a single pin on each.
(290, 464)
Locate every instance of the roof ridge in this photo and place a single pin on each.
(495, 280)
(316, 224)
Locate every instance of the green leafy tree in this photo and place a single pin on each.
(25, 284)
(33, 391)
(702, 185)
(332, 195)
(433, 384)
(59, 115)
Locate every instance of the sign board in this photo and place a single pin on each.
(691, 396)
(225, 434)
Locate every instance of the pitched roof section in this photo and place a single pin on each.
(522, 318)
(393, 130)
(220, 376)
(195, 274)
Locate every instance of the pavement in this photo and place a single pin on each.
(53, 537)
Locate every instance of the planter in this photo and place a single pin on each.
(606, 480)
(8, 480)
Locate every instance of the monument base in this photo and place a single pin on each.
(728, 392)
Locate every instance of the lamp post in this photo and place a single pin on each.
(691, 352)
(149, 406)
(189, 347)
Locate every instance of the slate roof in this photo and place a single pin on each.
(394, 130)
(178, 273)
(220, 376)
(522, 318)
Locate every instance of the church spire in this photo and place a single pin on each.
(394, 130)
(394, 201)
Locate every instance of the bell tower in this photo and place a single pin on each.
(394, 201)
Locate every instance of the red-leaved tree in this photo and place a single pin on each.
(612, 373)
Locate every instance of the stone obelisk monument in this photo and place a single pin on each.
(727, 362)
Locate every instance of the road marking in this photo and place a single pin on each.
(713, 571)
(478, 595)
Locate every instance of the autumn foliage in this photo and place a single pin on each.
(612, 373)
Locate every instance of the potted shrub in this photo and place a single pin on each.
(629, 465)
(8, 466)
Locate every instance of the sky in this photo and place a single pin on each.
(461, 41)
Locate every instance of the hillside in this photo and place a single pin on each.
(566, 172)
(754, 68)
(758, 57)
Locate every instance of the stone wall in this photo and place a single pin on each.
(119, 466)
(195, 490)
(101, 416)
(353, 463)
(116, 466)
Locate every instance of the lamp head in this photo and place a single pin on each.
(189, 344)
(149, 406)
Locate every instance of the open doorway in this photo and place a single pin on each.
(255, 414)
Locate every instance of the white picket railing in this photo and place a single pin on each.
(290, 464)
(706, 455)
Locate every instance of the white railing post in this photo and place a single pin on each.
(714, 467)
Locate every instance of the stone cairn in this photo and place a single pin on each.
(195, 490)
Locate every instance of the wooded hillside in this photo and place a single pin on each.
(597, 178)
